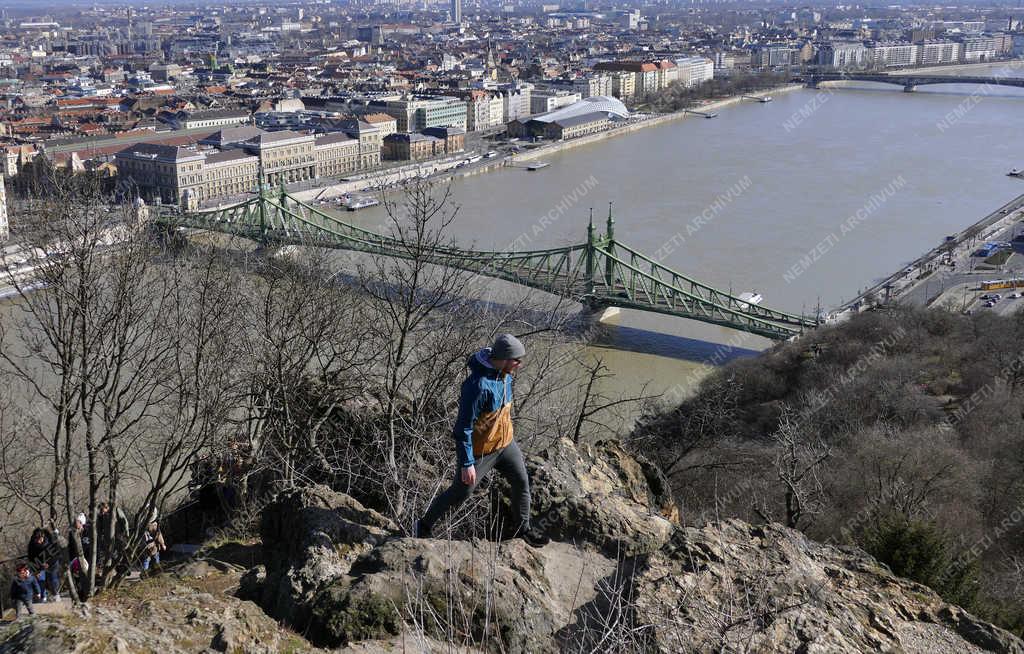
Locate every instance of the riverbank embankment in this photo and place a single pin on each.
(454, 166)
(560, 146)
(944, 258)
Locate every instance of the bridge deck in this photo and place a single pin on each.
(600, 272)
(911, 80)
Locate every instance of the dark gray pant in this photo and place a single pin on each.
(509, 462)
(21, 606)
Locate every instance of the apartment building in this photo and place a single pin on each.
(844, 55)
(623, 85)
(416, 113)
(383, 122)
(545, 100)
(432, 142)
(668, 72)
(484, 110)
(648, 76)
(593, 85)
(336, 154)
(893, 55)
(940, 52)
(694, 71)
(774, 56)
(980, 48)
(516, 100)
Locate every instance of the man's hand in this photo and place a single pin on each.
(469, 475)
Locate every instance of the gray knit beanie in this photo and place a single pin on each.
(507, 346)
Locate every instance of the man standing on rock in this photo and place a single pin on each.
(483, 438)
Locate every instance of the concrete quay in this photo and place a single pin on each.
(943, 266)
(632, 126)
(449, 167)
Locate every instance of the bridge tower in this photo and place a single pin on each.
(140, 213)
(263, 205)
(609, 265)
(589, 255)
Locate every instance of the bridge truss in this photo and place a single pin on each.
(601, 272)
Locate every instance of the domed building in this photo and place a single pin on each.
(606, 104)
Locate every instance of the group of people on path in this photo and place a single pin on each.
(484, 441)
(40, 577)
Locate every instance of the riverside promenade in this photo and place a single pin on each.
(941, 260)
(453, 166)
(632, 126)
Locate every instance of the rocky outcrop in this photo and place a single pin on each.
(310, 536)
(620, 576)
(601, 496)
(499, 596)
(166, 615)
(623, 577)
(732, 586)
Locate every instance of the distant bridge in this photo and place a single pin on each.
(910, 82)
(601, 272)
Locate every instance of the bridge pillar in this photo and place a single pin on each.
(594, 313)
(141, 213)
(909, 88)
(278, 251)
(607, 314)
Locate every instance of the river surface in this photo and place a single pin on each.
(741, 201)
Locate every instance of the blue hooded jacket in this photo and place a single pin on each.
(485, 393)
(25, 589)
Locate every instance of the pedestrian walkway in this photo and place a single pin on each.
(63, 607)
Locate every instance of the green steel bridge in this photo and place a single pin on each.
(601, 272)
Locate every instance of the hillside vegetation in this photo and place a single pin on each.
(900, 431)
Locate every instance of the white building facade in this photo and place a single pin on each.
(694, 71)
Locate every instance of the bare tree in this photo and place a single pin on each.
(306, 339)
(798, 462)
(113, 354)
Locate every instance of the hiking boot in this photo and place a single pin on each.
(534, 537)
(420, 530)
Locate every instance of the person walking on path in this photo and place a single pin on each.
(154, 540)
(24, 590)
(483, 438)
(44, 555)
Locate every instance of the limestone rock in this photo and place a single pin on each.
(600, 494)
(622, 577)
(166, 614)
(310, 537)
(737, 587)
(503, 596)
